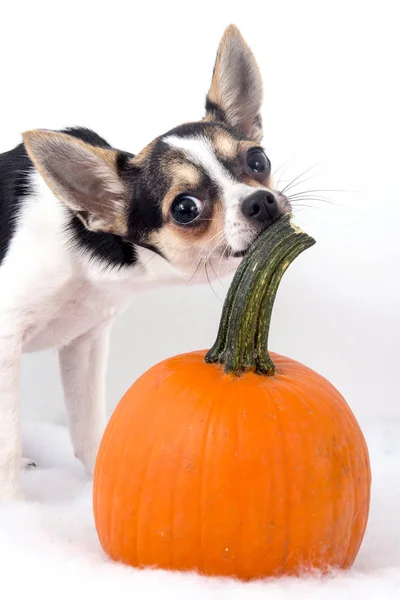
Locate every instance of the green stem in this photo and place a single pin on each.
(242, 341)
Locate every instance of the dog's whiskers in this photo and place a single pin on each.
(280, 176)
(216, 274)
(218, 243)
(209, 282)
(222, 257)
(318, 191)
(314, 199)
(195, 271)
(293, 181)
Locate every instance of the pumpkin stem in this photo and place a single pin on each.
(242, 341)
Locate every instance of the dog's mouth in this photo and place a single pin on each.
(241, 253)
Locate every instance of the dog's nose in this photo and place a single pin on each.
(261, 206)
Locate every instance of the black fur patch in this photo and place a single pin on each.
(122, 160)
(215, 111)
(88, 136)
(111, 249)
(148, 185)
(203, 127)
(15, 168)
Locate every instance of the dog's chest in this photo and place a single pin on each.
(78, 308)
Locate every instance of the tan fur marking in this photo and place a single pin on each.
(225, 145)
(184, 174)
(143, 155)
(247, 144)
(256, 183)
(208, 117)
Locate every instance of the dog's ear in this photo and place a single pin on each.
(82, 176)
(236, 91)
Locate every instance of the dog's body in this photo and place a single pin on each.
(83, 227)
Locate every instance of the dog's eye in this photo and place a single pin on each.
(258, 162)
(186, 209)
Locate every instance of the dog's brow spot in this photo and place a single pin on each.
(185, 173)
(225, 145)
(199, 150)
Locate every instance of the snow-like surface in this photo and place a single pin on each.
(49, 547)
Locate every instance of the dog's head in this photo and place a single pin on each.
(202, 191)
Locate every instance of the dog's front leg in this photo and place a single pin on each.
(83, 368)
(10, 434)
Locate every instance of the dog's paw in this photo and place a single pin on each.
(27, 463)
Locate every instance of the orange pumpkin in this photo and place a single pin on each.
(235, 462)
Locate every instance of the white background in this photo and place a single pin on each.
(132, 70)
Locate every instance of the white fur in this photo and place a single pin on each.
(54, 297)
(198, 149)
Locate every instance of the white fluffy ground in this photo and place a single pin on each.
(49, 547)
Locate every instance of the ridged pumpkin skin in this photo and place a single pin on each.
(249, 477)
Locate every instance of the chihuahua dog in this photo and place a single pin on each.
(84, 226)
